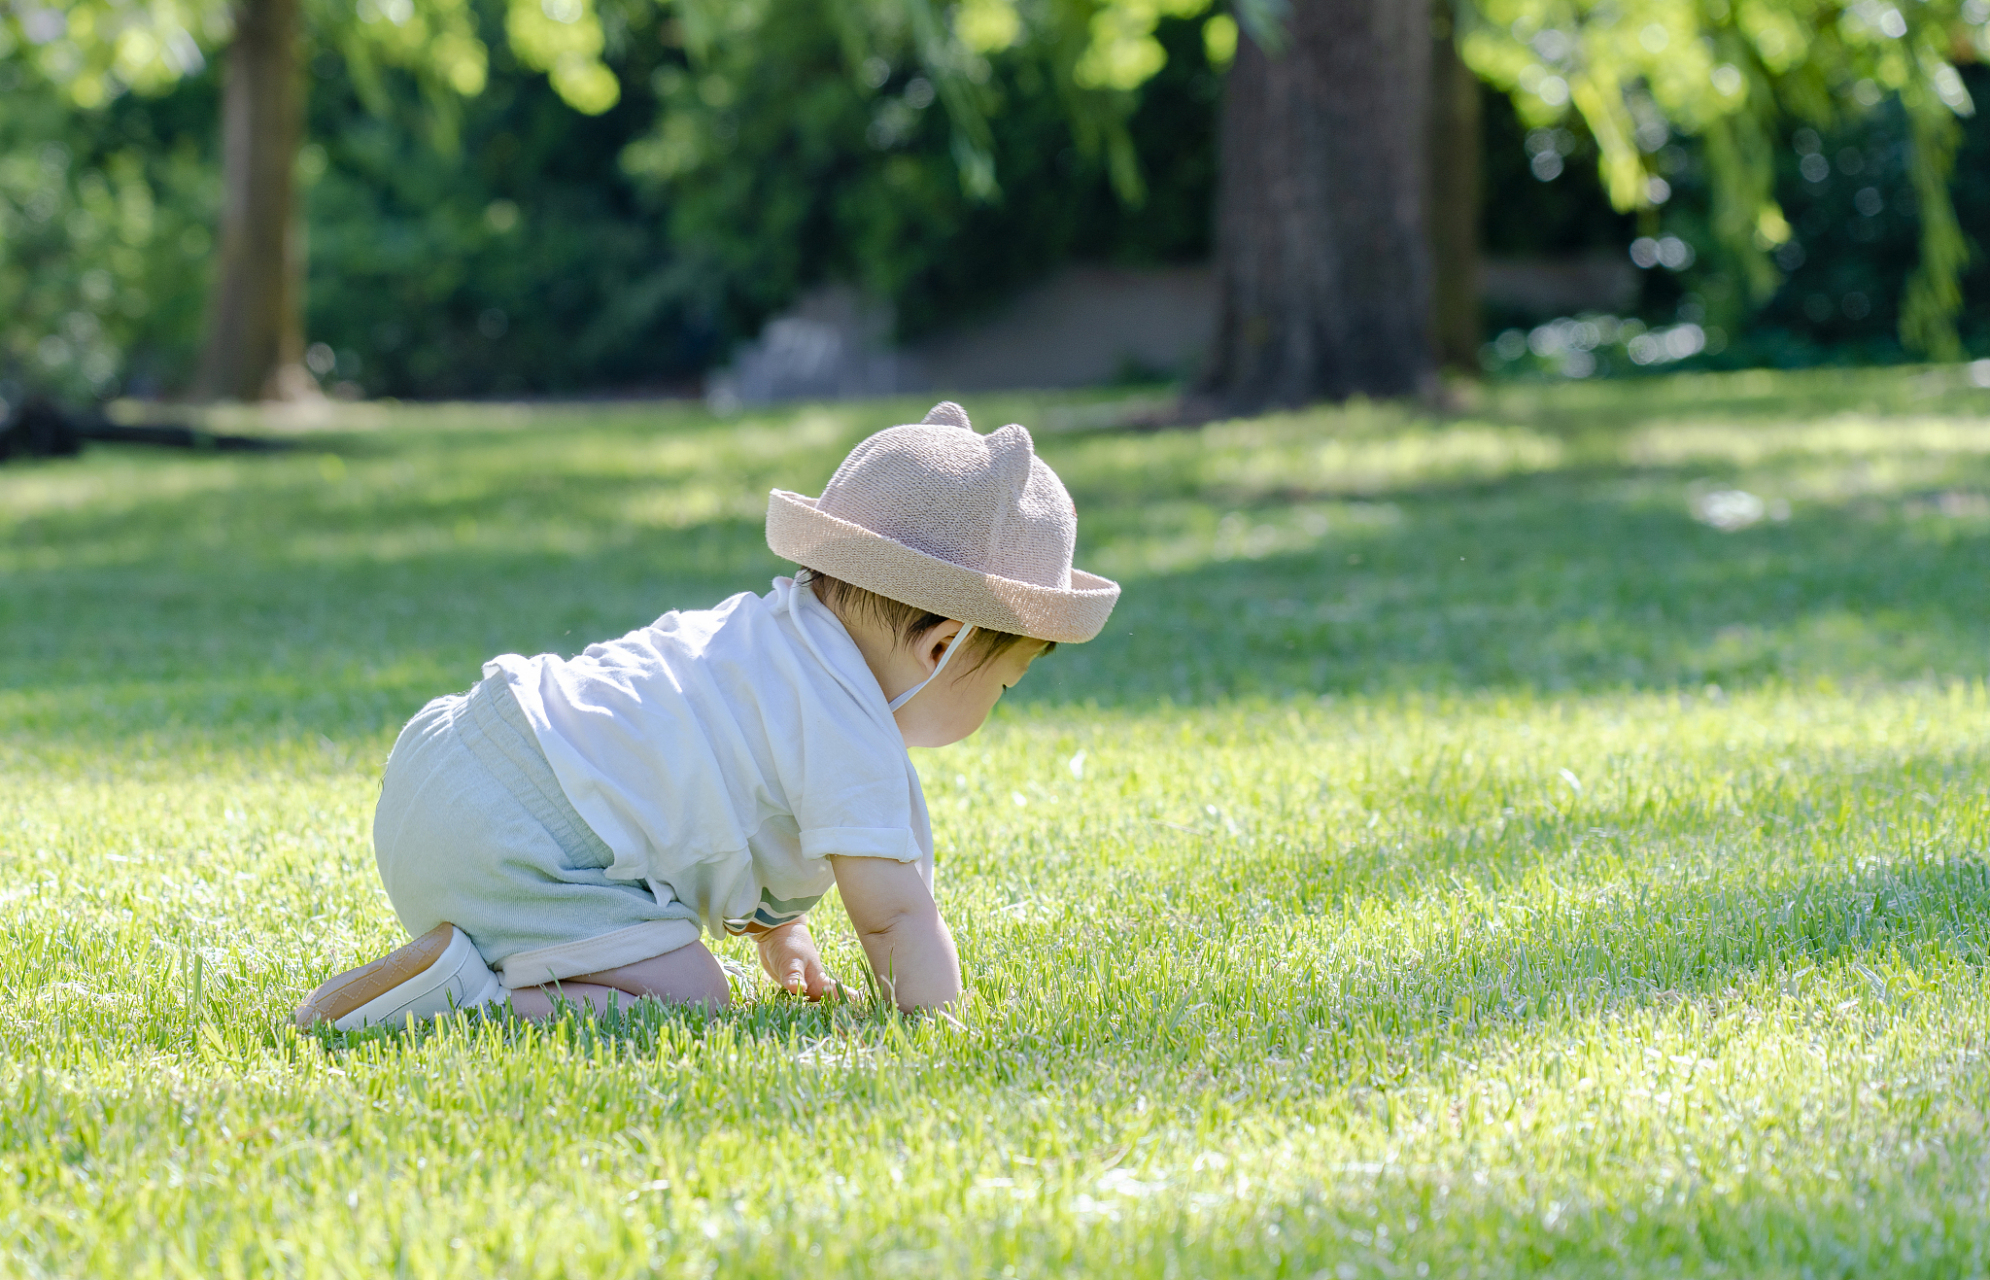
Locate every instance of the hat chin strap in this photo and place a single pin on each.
(966, 630)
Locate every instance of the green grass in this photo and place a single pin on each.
(1455, 859)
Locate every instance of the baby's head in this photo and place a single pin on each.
(904, 645)
(930, 530)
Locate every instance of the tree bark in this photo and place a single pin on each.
(1323, 258)
(1455, 198)
(255, 337)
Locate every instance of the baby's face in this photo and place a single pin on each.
(954, 706)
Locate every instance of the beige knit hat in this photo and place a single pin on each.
(968, 526)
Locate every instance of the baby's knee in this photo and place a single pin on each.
(689, 975)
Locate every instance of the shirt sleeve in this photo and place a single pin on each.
(852, 798)
(850, 783)
(896, 843)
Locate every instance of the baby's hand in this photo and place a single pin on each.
(789, 956)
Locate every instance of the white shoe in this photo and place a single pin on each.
(435, 974)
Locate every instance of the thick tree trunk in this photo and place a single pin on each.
(255, 344)
(1455, 196)
(1323, 259)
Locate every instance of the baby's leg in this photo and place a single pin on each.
(688, 975)
(543, 1002)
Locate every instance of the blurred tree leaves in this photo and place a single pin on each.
(520, 261)
(84, 54)
(563, 39)
(92, 51)
(105, 219)
(1732, 74)
(1735, 74)
(778, 166)
(630, 249)
(469, 233)
(530, 250)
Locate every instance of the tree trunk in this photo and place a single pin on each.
(1322, 256)
(1455, 197)
(255, 339)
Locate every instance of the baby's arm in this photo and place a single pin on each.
(903, 935)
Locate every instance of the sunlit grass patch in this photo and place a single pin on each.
(1856, 435)
(1462, 854)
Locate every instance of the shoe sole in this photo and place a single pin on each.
(340, 996)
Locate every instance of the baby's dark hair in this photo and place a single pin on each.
(907, 621)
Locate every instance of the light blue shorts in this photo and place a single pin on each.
(473, 828)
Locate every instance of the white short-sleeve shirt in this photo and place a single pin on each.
(723, 754)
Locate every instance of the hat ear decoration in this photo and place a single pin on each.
(947, 414)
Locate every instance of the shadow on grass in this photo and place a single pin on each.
(1546, 585)
(1534, 586)
(1742, 398)
(241, 598)
(1344, 1015)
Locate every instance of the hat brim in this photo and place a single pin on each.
(798, 531)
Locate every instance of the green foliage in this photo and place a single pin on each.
(1608, 901)
(96, 254)
(564, 39)
(1730, 73)
(1856, 250)
(102, 230)
(518, 262)
(1557, 209)
(1095, 52)
(555, 253)
(94, 51)
(782, 165)
(1847, 192)
(501, 244)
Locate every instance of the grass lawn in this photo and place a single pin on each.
(1459, 857)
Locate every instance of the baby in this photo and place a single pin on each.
(567, 828)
